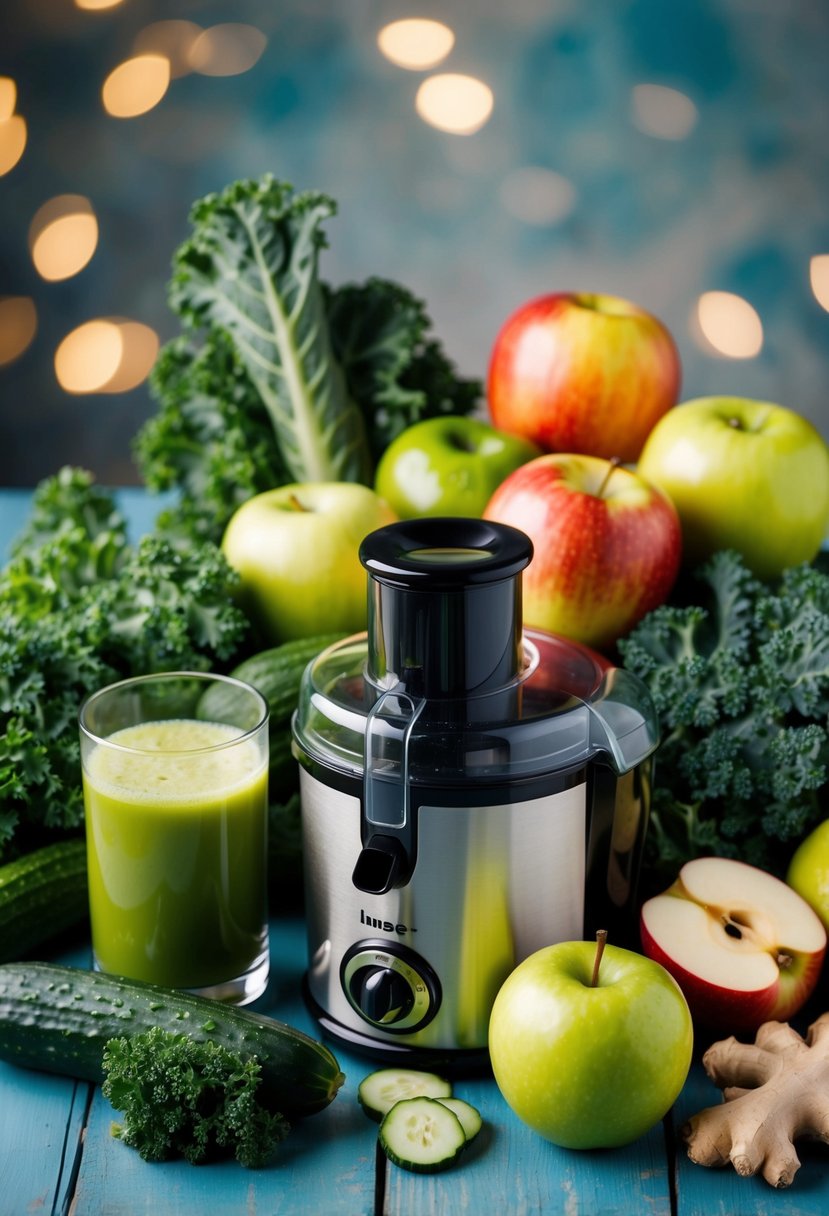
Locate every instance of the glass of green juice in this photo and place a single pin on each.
(175, 779)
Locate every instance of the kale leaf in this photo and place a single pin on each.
(79, 608)
(397, 374)
(211, 440)
(740, 680)
(278, 377)
(191, 1099)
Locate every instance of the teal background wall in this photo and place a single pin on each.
(561, 189)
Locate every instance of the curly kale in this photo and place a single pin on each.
(189, 1099)
(279, 377)
(741, 684)
(79, 608)
(397, 374)
(71, 502)
(211, 440)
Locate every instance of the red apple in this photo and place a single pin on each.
(742, 945)
(575, 372)
(607, 545)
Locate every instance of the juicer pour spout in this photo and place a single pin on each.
(384, 860)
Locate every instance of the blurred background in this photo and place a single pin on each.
(480, 154)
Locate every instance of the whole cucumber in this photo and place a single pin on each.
(275, 673)
(42, 894)
(58, 1019)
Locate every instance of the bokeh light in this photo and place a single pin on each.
(139, 349)
(173, 39)
(662, 112)
(415, 43)
(97, 5)
(107, 355)
(136, 86)
(12, 142)
(538, 196)
(454, 103)
(18, 326)
(729, 324)
(89, 356)
(63, 236)
(819, 278)
(8, 97)
(226, 50)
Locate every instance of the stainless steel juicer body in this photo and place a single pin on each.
(470, 793)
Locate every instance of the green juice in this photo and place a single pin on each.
(177, 848)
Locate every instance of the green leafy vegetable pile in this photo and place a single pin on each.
(79, 608)
(190, 1099)
(741, 682)
(279, 377)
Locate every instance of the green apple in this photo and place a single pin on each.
(296, 551)
(448, 466)
(584, 1064)
(745, 475)
(808, 871)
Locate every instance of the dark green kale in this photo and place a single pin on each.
(279, 377)
(211, 439)
(741, 683)
(79, 608)
(183, 1098)
(396, 372)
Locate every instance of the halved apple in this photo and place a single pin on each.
(742, 945)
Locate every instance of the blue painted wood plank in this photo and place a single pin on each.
(41, 1121)
(511, 1169)
(326, 1165)
(42, 1118)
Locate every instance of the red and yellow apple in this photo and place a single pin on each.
(576, 372)
(745, 475)
(607, 545)
(742, 945)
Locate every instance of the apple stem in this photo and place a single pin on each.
(614, 463)
(295, 504)
(601, 942)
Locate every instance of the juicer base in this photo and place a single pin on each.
(456, 1062)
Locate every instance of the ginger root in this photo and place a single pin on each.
(776, 1090)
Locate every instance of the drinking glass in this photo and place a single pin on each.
(175, 778)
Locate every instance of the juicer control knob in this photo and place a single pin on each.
(382, 994)
(390, 986)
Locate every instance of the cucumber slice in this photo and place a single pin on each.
(421, 1134)
(378, 1092)
(468, 1117)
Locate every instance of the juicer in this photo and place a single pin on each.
(471, 792)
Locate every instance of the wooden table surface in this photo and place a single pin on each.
(57, 1155)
